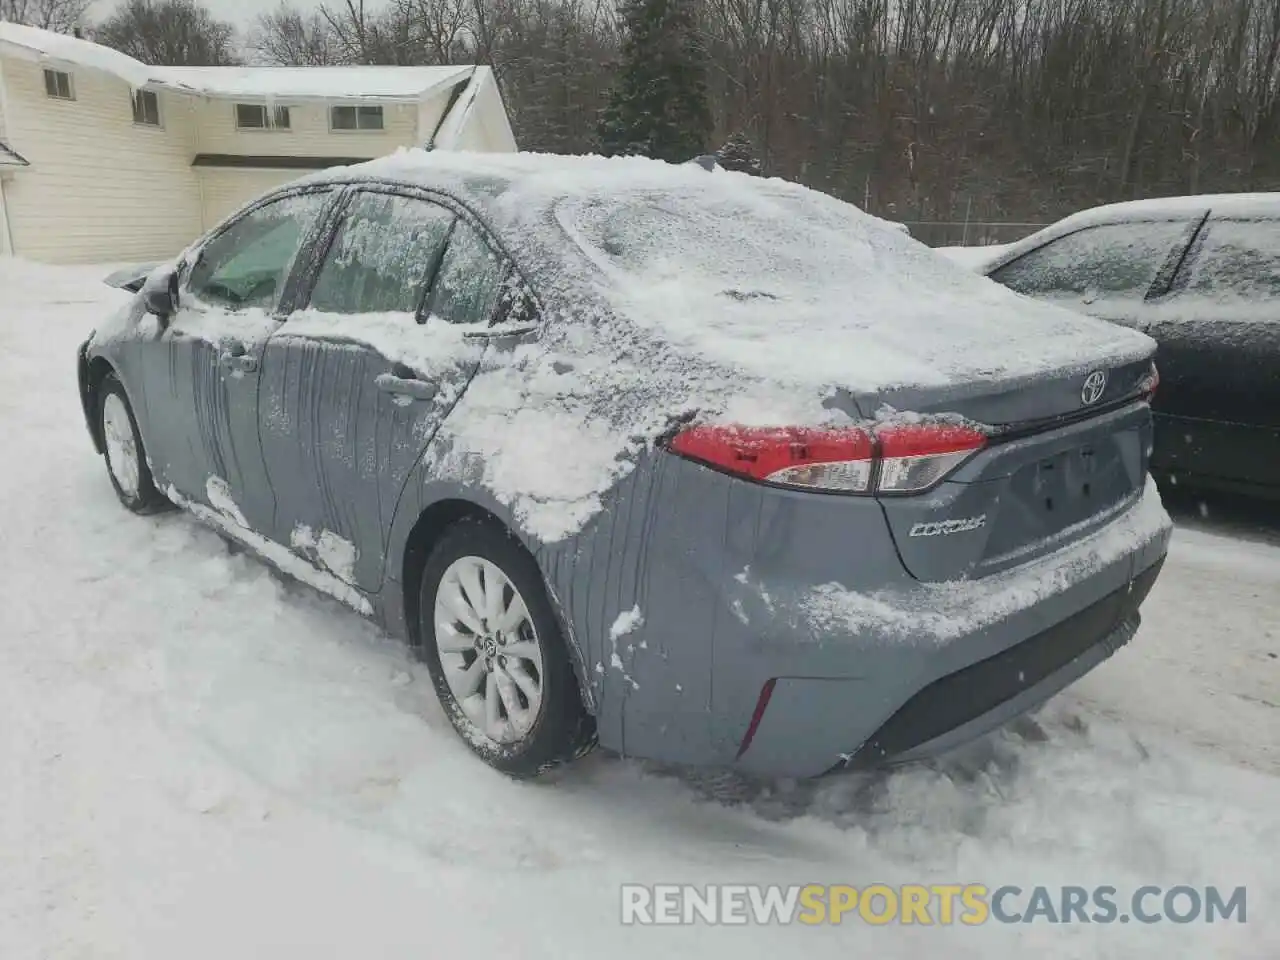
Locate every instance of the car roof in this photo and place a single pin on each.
(1228, 205)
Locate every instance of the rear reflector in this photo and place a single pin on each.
(766, 692)
(896, 458)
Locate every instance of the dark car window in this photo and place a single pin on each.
(1238, 259)
(248, 263)
(383, 257)
(467, 288)
(1115, 260)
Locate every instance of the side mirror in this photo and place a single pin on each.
(160, 292)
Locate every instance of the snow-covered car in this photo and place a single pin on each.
(714, 470)
(1201, 275)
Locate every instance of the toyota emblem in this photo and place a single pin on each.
(1095, 384)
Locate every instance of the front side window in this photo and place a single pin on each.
(355, 118)
(146, 108)
(1115, 260)
(1238, 259)
(57, 84)
(257, 116)
(469, 281)
(248, 263)
(383, 257)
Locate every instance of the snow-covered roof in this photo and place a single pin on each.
(330, 83)
(1161, 208)
(1158, 208)
(246, 83)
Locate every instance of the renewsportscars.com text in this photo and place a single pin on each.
(969, 904)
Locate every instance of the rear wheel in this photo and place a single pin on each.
(496, 654)
(124, 453)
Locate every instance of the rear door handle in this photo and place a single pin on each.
(406, 386)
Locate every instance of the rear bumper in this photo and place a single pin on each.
(984, 696)
(944, 670)
(905, 698)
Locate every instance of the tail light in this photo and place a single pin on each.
(899, 458)
(1150, 384)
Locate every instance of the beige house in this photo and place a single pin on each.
(105, 159)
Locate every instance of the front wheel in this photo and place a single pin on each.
(496, 654)
(124, 453)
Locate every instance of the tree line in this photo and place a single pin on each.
(915, 109)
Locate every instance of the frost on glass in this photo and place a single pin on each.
(1114, 260)
(467, 288)
(382, 257)
(247, 264)
(1238, 259)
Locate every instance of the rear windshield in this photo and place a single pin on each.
(755, 244)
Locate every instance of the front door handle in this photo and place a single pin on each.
(406, 386)
(236, 360)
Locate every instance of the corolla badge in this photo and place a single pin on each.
(944, 528)
(1095, 385)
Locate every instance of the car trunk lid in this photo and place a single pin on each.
(1066, 453)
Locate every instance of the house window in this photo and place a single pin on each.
(355, 118)
(146, 108)
(256, 116)
(57, 84)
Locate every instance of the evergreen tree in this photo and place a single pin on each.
(739, 154)
(658, 105)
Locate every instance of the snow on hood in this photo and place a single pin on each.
(667, 292)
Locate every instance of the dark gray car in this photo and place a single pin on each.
(1201, 275)
(710, 469)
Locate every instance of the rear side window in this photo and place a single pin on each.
(467, 287)
(383, 257)
(248, 263)
(1117, 260)
(1237, 258)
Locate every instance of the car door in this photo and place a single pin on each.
(229, 295)
(1218, 406)
(356, 383)
(1105, 270)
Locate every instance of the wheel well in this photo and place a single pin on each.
(422, 538)
(98, 370)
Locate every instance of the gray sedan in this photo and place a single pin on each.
(708, 469)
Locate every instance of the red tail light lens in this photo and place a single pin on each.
(901, 458)
(1150, 384)
(833, 459)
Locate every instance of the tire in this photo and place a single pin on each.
(536, 736)
(124, 454)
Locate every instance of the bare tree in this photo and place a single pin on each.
(64, 16)
(169, 33)
(289, 37)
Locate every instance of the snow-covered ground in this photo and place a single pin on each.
(201, 760)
